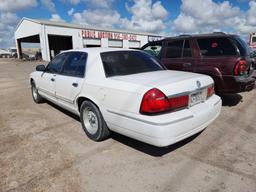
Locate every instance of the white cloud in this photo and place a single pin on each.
(94, 3)
(101, 18)
(49, 5)
(8, 22)
(251, 16)
(205, 16)
(100, 13)
(56, 17)
(146, 16)
(71, 11)
(16, 5)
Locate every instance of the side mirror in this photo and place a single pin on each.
(40, 68)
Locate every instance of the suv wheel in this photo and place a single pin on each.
(92, 122)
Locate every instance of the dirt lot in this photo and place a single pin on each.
(43, 148)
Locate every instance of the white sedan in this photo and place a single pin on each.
(129, 92)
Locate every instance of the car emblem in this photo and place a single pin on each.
(198, 84)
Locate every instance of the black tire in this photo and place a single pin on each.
(92, 122)
(35, 95)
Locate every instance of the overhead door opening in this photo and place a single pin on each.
(59, 43)
(29, 48)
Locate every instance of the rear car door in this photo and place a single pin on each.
(70, 79)
(177, 55)
(47, 81)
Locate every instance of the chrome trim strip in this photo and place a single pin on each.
(46, 92)
(189, 92)
(149, 122)
(217, 102)
(64, 99)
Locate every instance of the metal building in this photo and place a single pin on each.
(57, 36)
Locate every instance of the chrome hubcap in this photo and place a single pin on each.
(90, 121)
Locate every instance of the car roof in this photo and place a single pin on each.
(214, 34)
(98, 50)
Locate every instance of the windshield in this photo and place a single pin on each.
(128, 62)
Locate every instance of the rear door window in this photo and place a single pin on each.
(187, 52)
(128, 62)
(75, 64)
(219, 46)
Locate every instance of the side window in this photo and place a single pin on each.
(186, 49)
(56, 64)
(75, 64)
(219, 46)
(174, 49)
(154, 50)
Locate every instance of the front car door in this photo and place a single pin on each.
(47, 80)
(177, 55)
(70, 79)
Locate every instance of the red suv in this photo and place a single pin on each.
(224, 57)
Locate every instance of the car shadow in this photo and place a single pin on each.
(231, 100)
(135, 144)
(66, 112)
(150, 149)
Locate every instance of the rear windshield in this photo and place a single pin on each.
(217, 46)
(241, 45)
(128, 62)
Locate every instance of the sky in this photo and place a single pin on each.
(165, 17)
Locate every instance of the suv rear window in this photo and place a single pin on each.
(217, 46)
(128, 62)
(241, 45)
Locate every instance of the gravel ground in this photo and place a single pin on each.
(43, 148)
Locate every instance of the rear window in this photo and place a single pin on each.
(219, 46)
(128, 62)
(241, 45)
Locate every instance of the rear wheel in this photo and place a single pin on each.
(92, 122)
(35, 95)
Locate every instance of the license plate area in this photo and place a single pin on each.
(196, 98)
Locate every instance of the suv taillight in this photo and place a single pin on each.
(155, 101)
(210, 91)
(241, 68)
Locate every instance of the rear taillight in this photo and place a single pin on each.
(210, 91)
(155, 101)
(241, 68)
(178, 102)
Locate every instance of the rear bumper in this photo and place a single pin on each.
(164, 130)
(234, 84)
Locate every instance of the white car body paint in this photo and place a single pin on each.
(119, 99)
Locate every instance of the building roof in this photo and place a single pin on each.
(78, 26)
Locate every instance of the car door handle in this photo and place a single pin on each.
(187, 64)
(52, 79)
(74, 84)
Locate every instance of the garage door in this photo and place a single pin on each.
(134, 44)
(115, 43)
(89, 42)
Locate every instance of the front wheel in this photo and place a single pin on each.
(35, 95)
(92, 122)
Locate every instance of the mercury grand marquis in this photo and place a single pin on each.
(129, 92)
